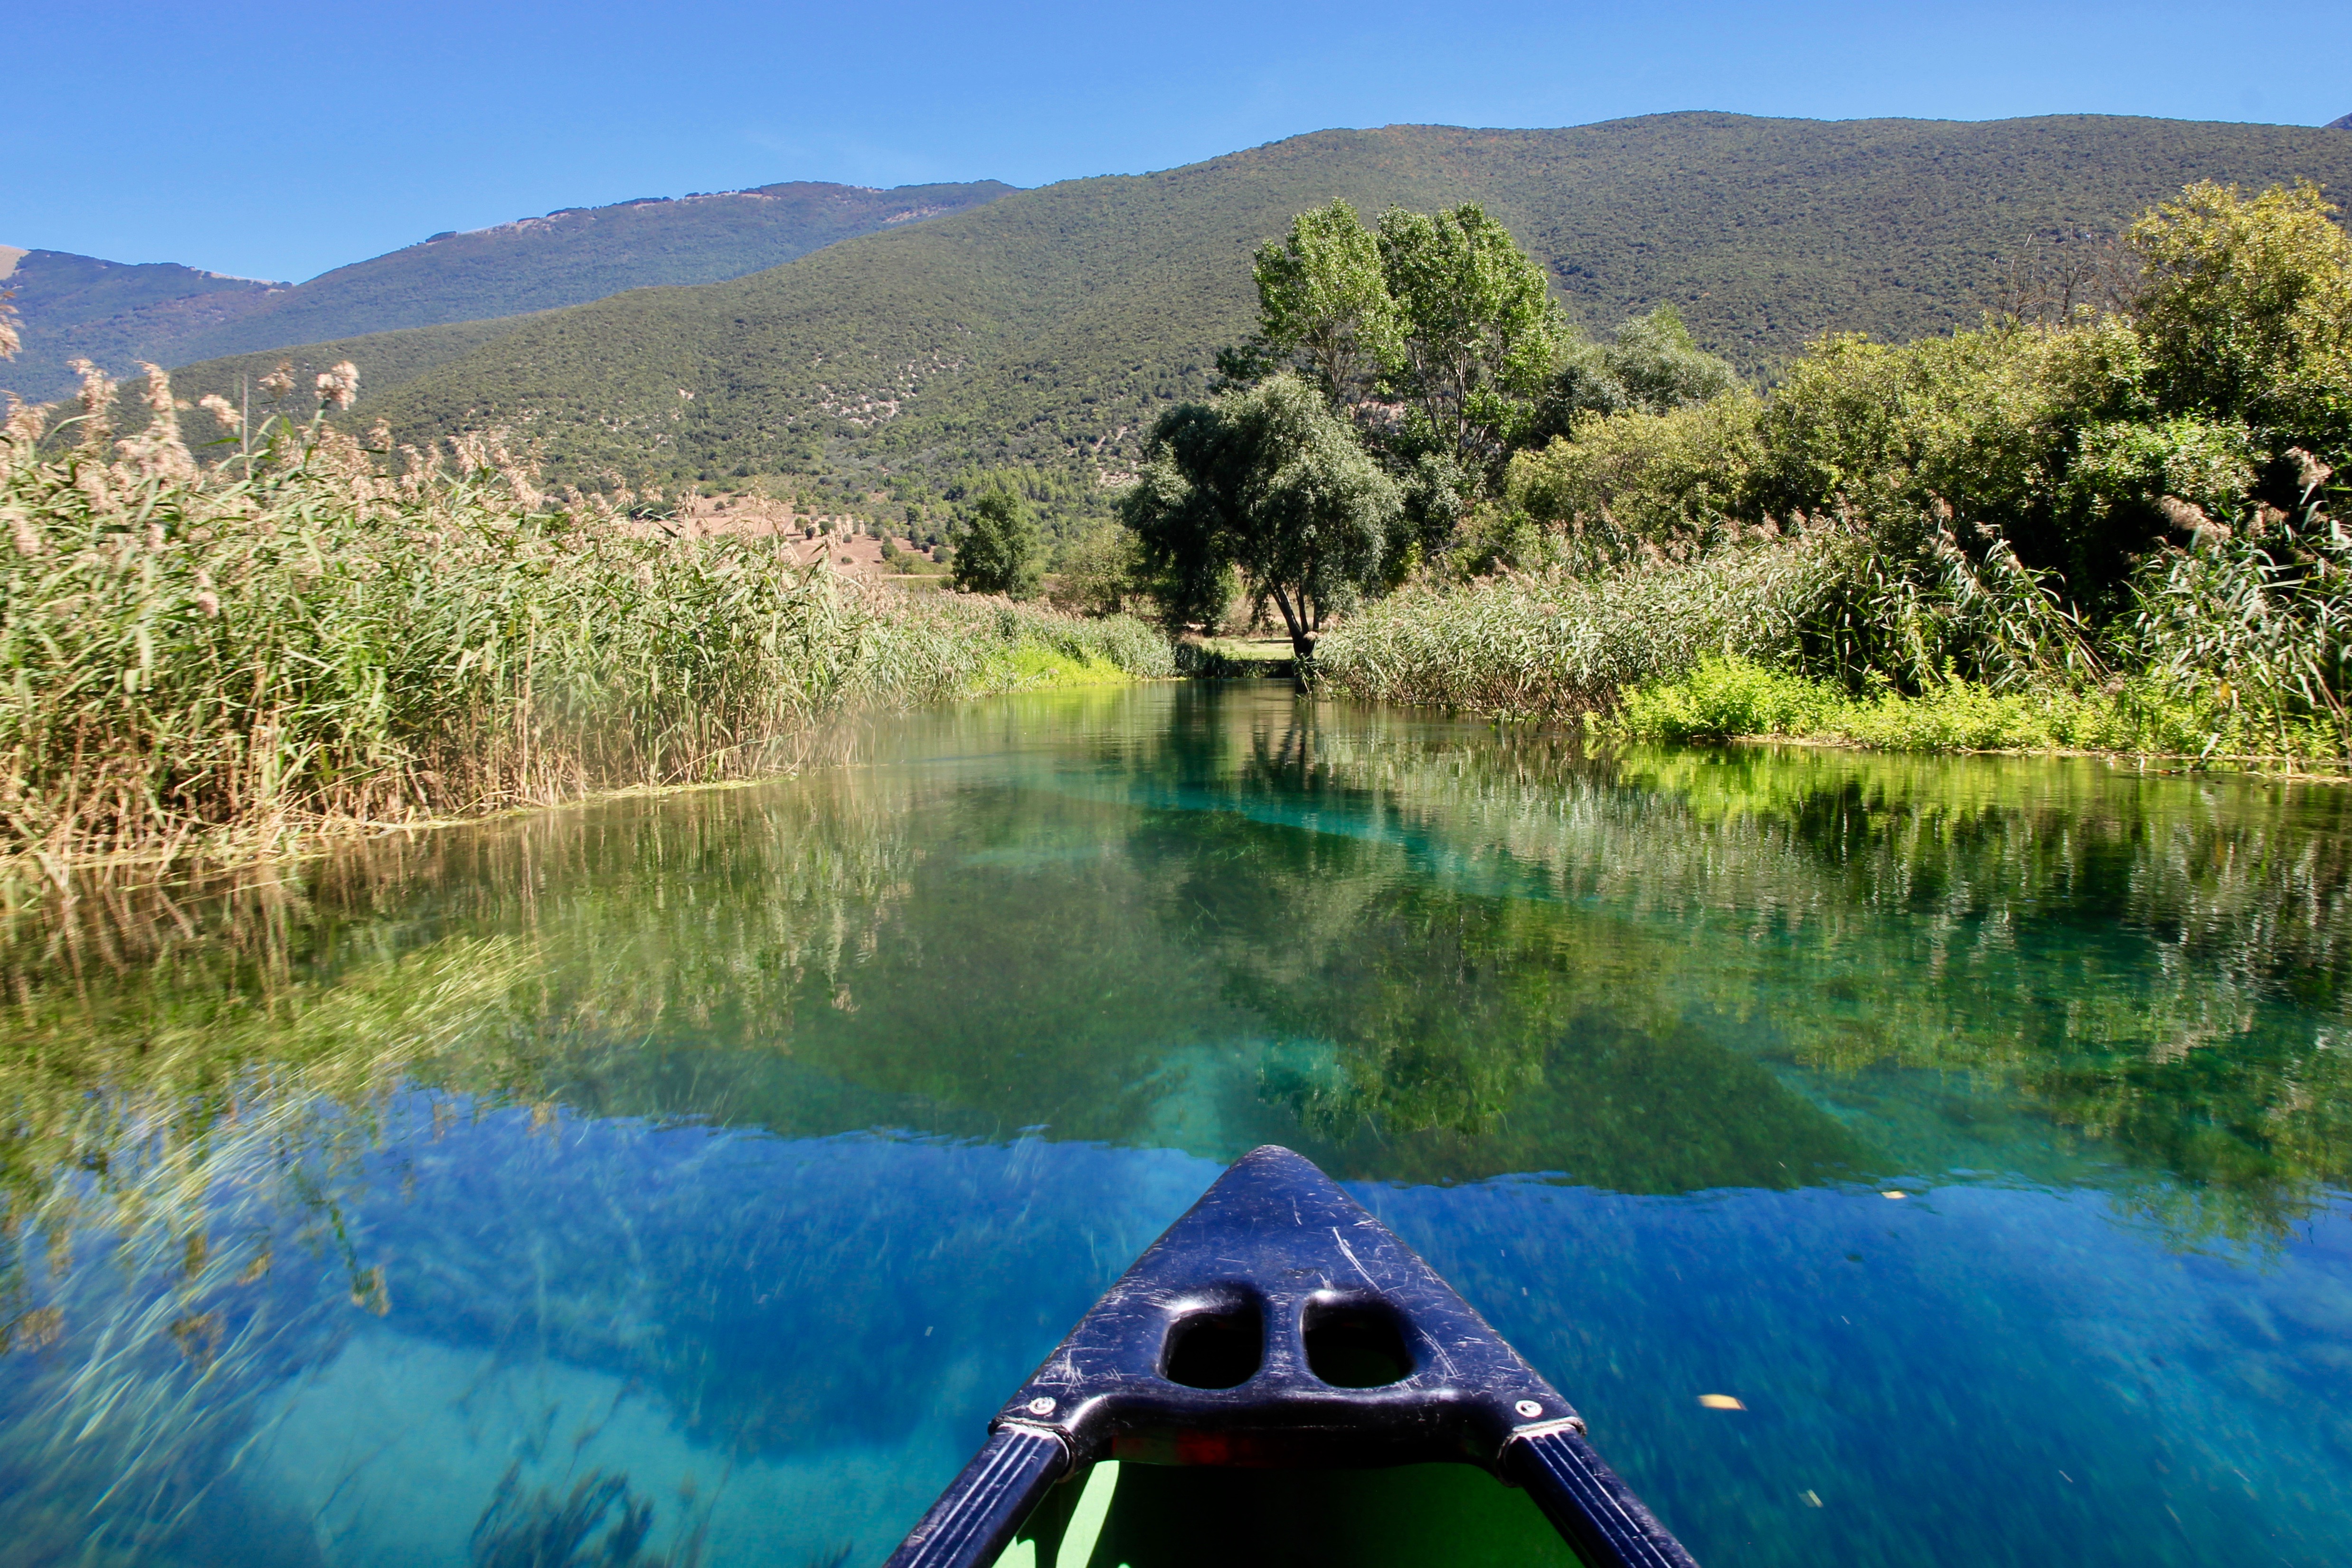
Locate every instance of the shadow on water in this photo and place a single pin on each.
(555, 1117)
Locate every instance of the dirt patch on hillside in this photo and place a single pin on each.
(812, 536)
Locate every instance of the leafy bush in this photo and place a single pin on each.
(1633, 478)
(2247, 310)
(1723, 697)
(1650, 363)
(1100, 572)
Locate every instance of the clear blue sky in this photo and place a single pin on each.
(281, 141)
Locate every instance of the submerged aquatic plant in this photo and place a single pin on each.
(578, 1529)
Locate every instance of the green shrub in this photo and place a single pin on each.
(1632, 477)
(1720, 698)
(1724, 699)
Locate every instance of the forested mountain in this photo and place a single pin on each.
(78, 306)
(118, 315)
(1047, 328)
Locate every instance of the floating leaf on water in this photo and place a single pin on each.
(1721, 1402)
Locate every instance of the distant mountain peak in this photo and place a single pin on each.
(782, 191)
(120, 314)
(2342, 123)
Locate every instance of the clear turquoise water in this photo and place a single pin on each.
(727, 1156)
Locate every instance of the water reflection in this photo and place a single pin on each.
(612, 1161)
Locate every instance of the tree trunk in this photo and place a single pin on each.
(1302, 634)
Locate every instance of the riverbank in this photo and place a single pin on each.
(1780, 639)
(226, 661)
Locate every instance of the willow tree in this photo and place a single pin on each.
(1269, 481)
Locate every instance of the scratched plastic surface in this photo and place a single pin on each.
(687, 1178)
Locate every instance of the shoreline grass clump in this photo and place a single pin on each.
(296, 638)
(1726, 697)
(1522, 647)
(935, 644)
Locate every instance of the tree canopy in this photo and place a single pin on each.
(1481, 332)
(1269, 479)
(1434, 334)
(2246, 310)
(996, 550)
(1324, 300)
(1650, 363)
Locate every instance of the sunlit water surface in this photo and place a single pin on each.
(692, 1176)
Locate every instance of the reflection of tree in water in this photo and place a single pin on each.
(2158, 965)
(1433, 1032)
(1434, 953)
(198, 1073)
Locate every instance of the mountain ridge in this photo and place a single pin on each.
(120, 314)
(1048, 327)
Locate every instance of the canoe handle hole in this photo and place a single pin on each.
(1219, 1348)
(1355, 1344)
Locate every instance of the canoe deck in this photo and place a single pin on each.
(1413, 1516)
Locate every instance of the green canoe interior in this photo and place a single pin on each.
(1155, 1516)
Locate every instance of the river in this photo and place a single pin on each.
(693, 1175)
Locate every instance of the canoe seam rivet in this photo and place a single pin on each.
(1529, 1408)
(1040, 1405)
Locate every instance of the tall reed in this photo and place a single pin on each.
(1527, 646)
(298, 637)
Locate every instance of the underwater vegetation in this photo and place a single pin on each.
(599, 1524)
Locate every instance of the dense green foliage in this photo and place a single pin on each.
(118, 316)
(293, 637)
(1047, 330)
(2140, 497)
(1650, 363)
(996, 549)
(1270, 481)
(387, 357)
(1435, 335)
(1721, 698)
